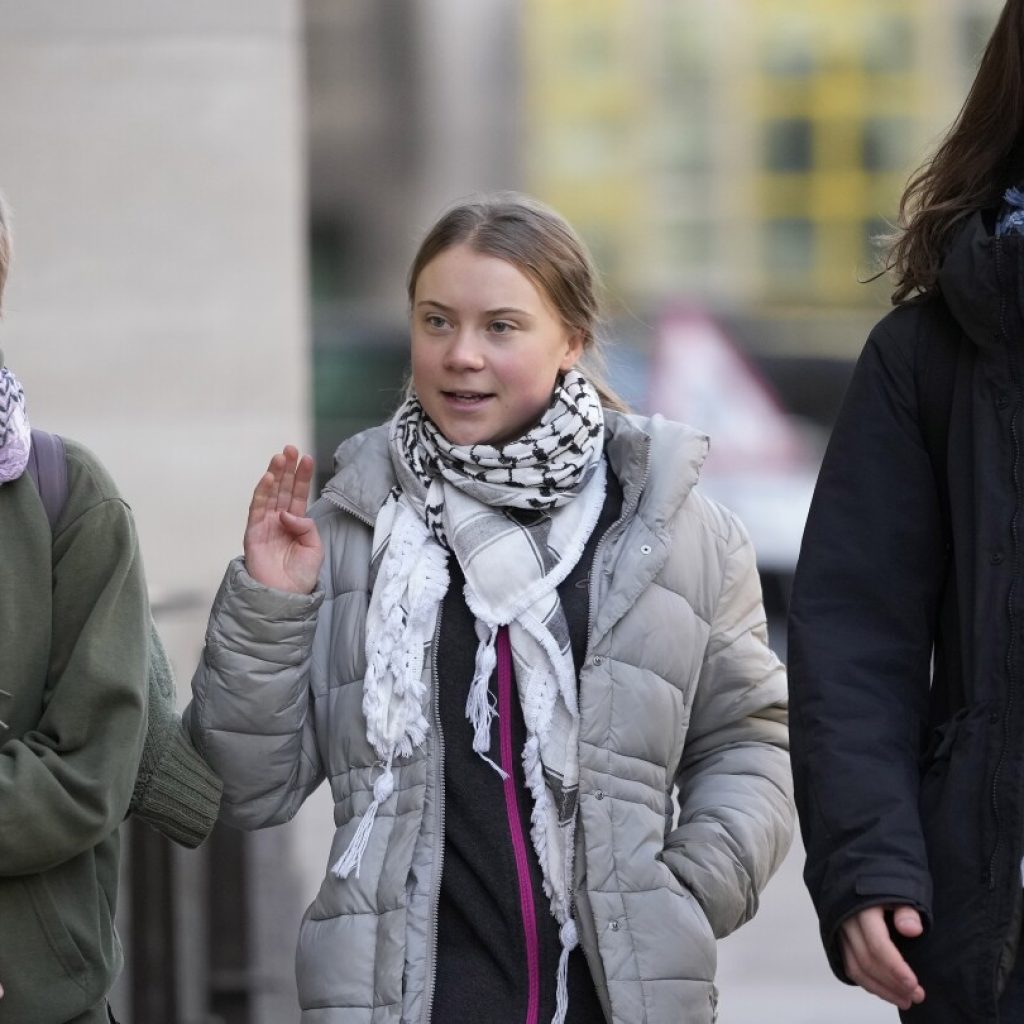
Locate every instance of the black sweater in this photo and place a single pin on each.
(481, 958)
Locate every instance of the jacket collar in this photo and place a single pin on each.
(982, 282)
(634, 443)
(364, 475)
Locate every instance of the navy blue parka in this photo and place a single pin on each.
(906, 637)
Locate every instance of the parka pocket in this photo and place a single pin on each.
(950, 803)
(940, 744)
(53, 927)
(958, 826)
(691, 933)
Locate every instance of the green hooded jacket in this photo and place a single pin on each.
(74, 646)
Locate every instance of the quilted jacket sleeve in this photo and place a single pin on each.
(251, 713)
(735, 790)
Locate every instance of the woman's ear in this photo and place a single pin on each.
(573, 349)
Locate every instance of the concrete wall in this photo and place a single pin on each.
(154, 157)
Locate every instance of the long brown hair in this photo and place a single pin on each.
(978, 158)
(540, 244)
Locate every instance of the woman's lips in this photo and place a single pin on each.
(465, 399)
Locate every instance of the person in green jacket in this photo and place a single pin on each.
(87, 727)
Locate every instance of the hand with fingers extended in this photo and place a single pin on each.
(871, 958)
(282, 547)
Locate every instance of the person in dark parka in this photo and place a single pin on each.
(907, 616)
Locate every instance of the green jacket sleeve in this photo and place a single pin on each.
(176, 791)
(65, 785)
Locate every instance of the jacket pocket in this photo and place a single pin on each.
(956, 821)
(53, 927)
(941, 741)
(698, 912)
(692, 934)
(952, 803)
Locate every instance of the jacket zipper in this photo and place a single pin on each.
(336, 499)
(1011, 596)
(527, 906)
(431, 974)
(628, 507)
(1010, 652)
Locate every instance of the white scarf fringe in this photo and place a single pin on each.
(411, 582)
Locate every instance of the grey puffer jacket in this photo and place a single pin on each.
(678, 688)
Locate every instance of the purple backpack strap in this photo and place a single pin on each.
(49, 471)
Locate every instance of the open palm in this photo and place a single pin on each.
(282, 547)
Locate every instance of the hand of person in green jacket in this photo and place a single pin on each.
(282, 547)
(871, 958)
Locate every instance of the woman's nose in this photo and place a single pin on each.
(463, 352)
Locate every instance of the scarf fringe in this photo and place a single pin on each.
(570, 940)
(394, 691)
(480, 706)
(351, 859)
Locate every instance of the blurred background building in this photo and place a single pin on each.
(215, 206)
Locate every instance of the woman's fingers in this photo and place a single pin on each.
(290, 455)
(260, 500)
(285, 485)
(873, 961)
(281, 545)
(907, 922)
(301, 485)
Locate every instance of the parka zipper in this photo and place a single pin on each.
(627, 510)
(1011, 605)
(527, 906)
(628, 507)
(346, 506)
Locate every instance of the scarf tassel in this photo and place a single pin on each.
(480, 709)
(350, 860)
(570, 940)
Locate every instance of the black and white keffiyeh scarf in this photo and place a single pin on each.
(15, 434)
(517, 518)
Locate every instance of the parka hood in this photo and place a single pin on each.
(982, 282)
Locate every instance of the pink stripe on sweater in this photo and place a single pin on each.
(515, 827)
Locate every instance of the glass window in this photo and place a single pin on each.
(590, 49)
(690, 244)
(789, 144)
(788, 47)
(886, 144)
(685, 140)
(889, 44)
(788, 246)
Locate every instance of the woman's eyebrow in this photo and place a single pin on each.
(507, 311)
(501, 311)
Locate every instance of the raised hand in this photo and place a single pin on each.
(282, 547)
(871, 958)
